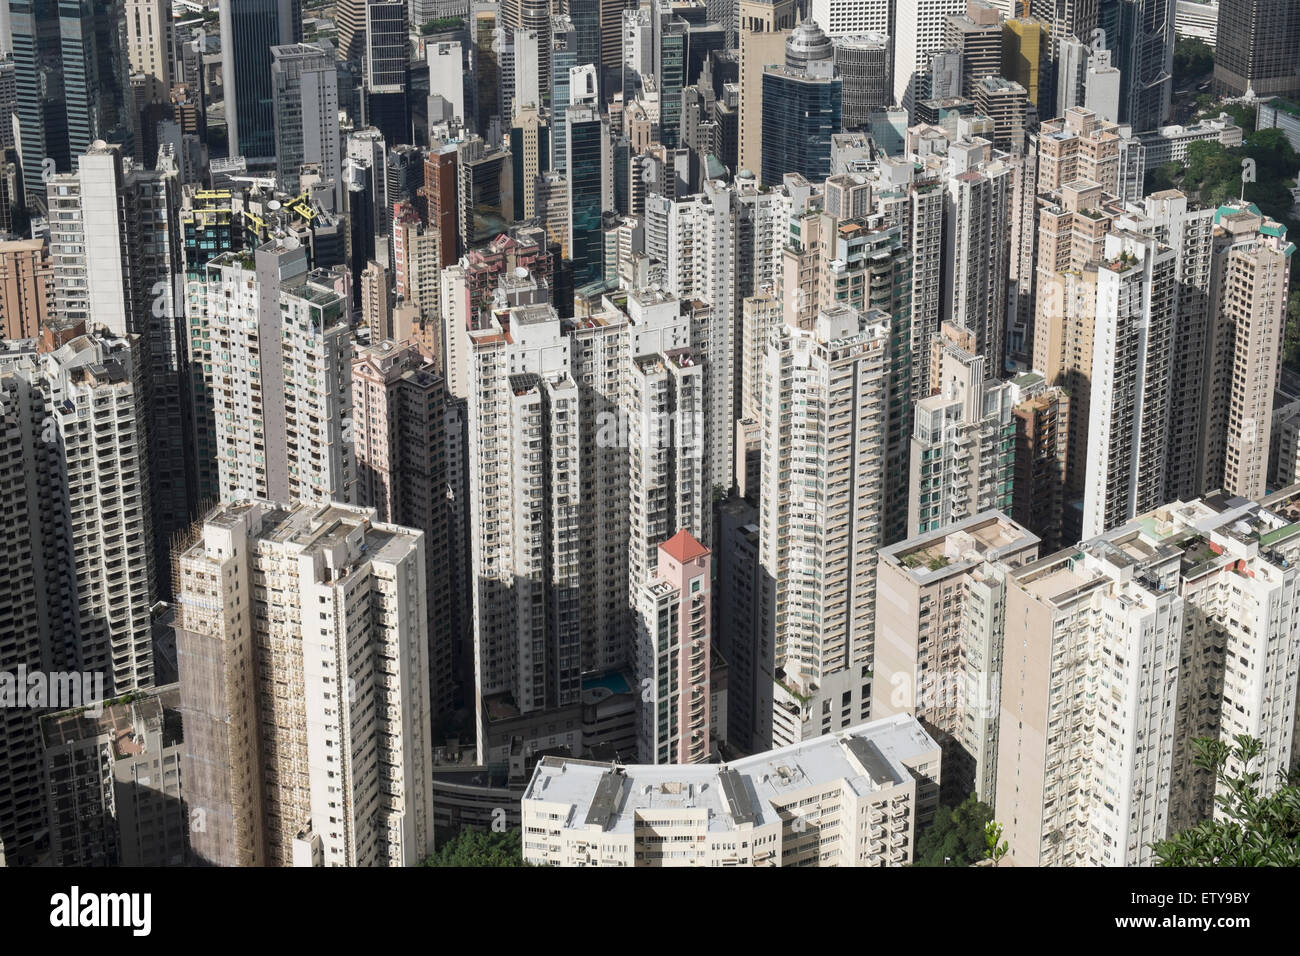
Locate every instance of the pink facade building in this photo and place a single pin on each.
(673, 655)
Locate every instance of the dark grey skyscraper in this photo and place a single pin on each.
(249, 28)
(71, 80)
(38, 78)
(96, 74)
(387, 83)
(1140, 36)
(1258, 48)
(864, 67)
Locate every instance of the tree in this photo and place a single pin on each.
(1252, 829)
(1162, 177)
(441, 25)
(995, 848)
(1243, 116)
(1291, 344)
(475, 848)
(1193, 59)
(956, 838)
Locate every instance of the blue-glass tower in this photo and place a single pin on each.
(802, 104)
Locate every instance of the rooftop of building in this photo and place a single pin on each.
(122, 720)
(612, 797)
(684, 547)
(987, 536)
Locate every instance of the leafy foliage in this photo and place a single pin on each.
(1163, 177)
(1193, 60)
(995, 847)
(475, 848)
(957, 835)
(1254, 830)
(441, 25)
(1291, 344)
(1212, 175)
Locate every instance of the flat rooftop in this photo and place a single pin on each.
(613, 797)
(986, 536)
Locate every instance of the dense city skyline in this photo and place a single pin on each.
(660, 432)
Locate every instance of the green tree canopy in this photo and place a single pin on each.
(1193, 60)
(475, 848)
(1291, 345)
(1253, 830)
(441, 25)
(957, 835)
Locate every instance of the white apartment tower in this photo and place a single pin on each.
(277, 340)
(303, 645)
(1120, 653)
(663, 407)
(85, 403)
(559, 412)
(115, 251)
(1089, 704)
(963, 443)
(1188, 232)
(525, 498)
(977, 247)
(821, 517)
(918, 32)
(1133, 346)
(700, 256)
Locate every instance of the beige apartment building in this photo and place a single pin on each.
(1079, 145)
(26, 287)
(853, 798)
(939, 627)
(377, 302)
(1118, 654)
(763, 30)
(303, 649)
(1248, 288)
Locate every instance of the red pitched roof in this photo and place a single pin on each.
(682, 547)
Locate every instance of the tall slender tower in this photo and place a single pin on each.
(1248, 290)
(304, 79)
(673, 654)
(1128, 427)
(303, 642)
(249, 29)
(822, 516)
(115, 244)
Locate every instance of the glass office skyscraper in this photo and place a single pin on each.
(249, 28)
(1258, 48)
(72, 83)
(802, 103)
(588, 134)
